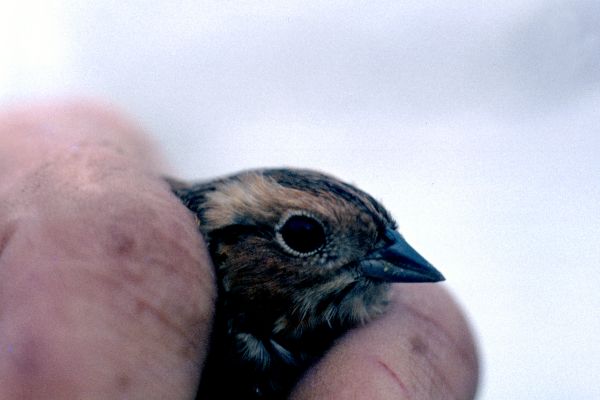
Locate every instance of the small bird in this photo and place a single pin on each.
(300, 258)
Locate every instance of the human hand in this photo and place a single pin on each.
(106, 290)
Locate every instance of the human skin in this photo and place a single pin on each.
(107, 291)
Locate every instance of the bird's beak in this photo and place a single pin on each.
(398, 262)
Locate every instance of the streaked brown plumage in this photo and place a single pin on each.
(300, 258)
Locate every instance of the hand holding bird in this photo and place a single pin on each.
(105, 291)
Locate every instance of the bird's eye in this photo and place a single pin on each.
(301, 235)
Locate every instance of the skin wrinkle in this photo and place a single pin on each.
(394, 376)
(426, 363)
(145, 303)
(142, 307)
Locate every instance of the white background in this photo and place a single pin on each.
(478, 126)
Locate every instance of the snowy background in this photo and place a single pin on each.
(478, 126)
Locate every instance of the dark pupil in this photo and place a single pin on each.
(303, 234)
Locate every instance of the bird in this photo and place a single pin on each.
(300, 258)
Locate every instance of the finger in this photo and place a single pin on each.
(105, 289)
(421, 348)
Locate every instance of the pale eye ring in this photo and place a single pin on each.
(301, 234)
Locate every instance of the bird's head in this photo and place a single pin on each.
(318, 250)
